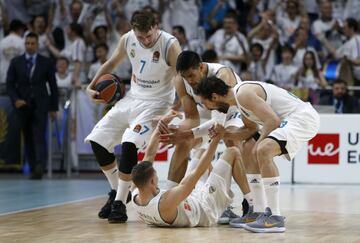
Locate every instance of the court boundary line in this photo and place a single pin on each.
(51, 205)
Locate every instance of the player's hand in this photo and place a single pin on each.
(174, 135)
(93, 94)
(167, 118)
(19, 103)
(216, 131)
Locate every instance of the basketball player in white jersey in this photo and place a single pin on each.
(182, 205)
(191, 70)
(153, 55)
(287, 124)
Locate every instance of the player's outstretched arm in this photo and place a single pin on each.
(107, 67)
(174, 196)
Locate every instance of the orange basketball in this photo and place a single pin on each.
(110, 88)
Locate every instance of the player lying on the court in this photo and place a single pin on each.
(199, 199)
(287, 123)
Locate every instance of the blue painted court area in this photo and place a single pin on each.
(23, 194)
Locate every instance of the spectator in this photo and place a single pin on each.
(350, 49)
(210, 56)
(230, 45)
(340, 99)
(38, 26)
(309, 79)
(75, 52)
(257, 67)
(284, 73)
(327, 26)
(352, 9)
(290, 21)
(16, 9)
(179, 32)
(101, 54)
(63, 76)
(37, 7)
(175, 13)
(10, 47)
(28, 79)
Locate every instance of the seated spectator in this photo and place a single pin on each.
(210, 56)
(63, 79)
(230, 45)
(340, 99)
(179, 32)
(257, 67)
(309, 79)
(284, 73)
(38, 26)
(11, 46)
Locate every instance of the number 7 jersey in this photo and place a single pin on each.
(151, 74)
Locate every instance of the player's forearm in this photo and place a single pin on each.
(107, 67)
(268, 128)
(239, 134)
(152, 147)
(206, 158)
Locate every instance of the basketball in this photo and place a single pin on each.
(110, 88)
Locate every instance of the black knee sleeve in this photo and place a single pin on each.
(103, 157)
(128, 157)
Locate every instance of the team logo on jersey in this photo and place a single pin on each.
(156, 57)
(212, 189)
(132, 53)
(187, 206)
(133, 44)
(137, 128)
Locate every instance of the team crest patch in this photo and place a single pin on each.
(133, 44)
(132, 53)
(137, 128)
(212, 189)
(187, 206)
(156, 57)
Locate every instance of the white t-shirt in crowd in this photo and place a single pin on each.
(352, 9)
(351, 48)
(287, 26)
(10, 47)
(271, 60)
(63, 82)
(175, 15)
(225, 44)
(321, 27)
(284, 75)
(134, 5)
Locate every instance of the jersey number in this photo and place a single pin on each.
(142, 65)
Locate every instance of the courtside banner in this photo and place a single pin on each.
(333, 155)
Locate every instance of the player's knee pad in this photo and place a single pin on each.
(103, 156)
(128, 157)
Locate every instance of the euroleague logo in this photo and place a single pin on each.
(324, 149)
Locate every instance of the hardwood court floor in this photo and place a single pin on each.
(315, 213)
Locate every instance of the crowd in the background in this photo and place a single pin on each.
(304, 46)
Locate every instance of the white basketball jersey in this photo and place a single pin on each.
(280, 100)
(213, 70)
(151, 75)
(189, 212)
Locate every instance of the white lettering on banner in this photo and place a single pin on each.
(329, 150)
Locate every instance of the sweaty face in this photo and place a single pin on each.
(147, 39)
(215, 105)
(192, 76)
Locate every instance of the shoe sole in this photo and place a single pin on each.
(112, 221)
(265, 230)
(237, 225)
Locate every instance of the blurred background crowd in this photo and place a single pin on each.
(305, 46)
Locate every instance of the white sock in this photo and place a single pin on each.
(112, 176)
(249, 198)
(170, 184)
(272, 186)
(258, 192)
(122, 190)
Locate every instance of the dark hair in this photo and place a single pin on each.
(287, 48)
(339, 81)
(62, 58)
(187, 60)
(16, 25)
(99, 27)
(210, 85)
(231, 15)
(142, 20)
(32, 35)
(38, 16)
(209, 56)
(179, 28)
(101, 45)
(77, 28)
(141, 173)
(313, 68)
(353, 24)
(257, 45)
